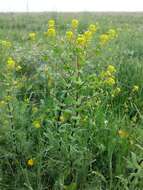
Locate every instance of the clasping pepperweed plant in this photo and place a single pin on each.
(67, 120)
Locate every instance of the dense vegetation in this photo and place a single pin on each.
(71, 101)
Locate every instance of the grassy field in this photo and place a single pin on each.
(71, 101)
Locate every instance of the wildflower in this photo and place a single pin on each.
(92, 28)
(112, 34)
(32, 36)
(116, 92)
(88, 35)
(105, 74)
(123, 134)
(81, 41)
(51, 32)
(10, 63)
(74, 23)
(135, 88)
(51, 23)
(111, 69)
(5, 43)
(30, 162)
(36, 124)
(69, 35)
(110, 81)
(104, 38)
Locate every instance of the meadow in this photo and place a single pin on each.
(71, 101)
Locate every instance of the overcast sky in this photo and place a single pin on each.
(71, 5)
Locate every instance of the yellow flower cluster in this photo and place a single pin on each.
(112, 33)
(30, 162)
(51, 23)
(74, 23)
(11, 64)
(81, 40)
(108, 75)
(135, 88)
(104, 38)
(88, 35)
(32, 36)
(111, 69)
(110, 81)
(37, 124)
(5, 43)
(51, 32)
(69, 35)
(116, 92)
(92, 28)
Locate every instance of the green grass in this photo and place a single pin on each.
(90, 137)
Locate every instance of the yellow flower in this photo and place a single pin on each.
(111, 69)
(37, 124)
(11, 63)
(105, 74)
(74, 23)
(51, 23)
(123, 134)
(69, 35)
(112, 33)
(30, 162)
(104, 38)
(135, 88)
(81, 41)
(92, 28)
(88, 35)
(5, 43)
(51, 32)
(116, 92)
(110, 81)
(32, 36)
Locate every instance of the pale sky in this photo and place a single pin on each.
(70, 5)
